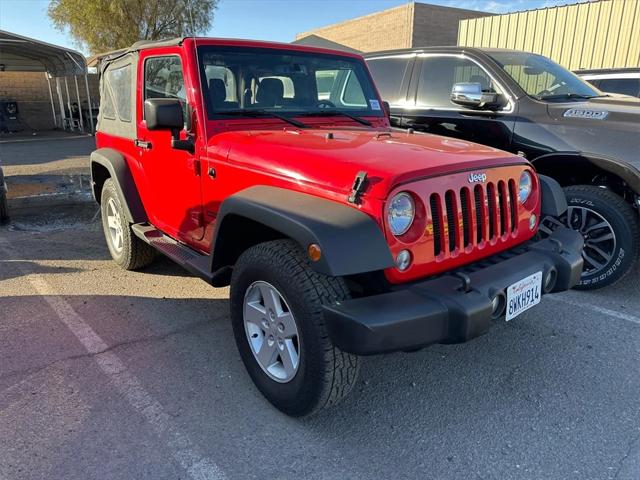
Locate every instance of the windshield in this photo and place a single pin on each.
(248, 80)
(542, 78)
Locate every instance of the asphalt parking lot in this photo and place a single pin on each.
(113, 374)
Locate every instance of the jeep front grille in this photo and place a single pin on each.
(469, 216)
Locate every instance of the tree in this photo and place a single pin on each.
(103, 25)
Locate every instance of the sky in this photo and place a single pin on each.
(275, 20)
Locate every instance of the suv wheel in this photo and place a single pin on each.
(126, 249)
(276, 311)
(610, 229)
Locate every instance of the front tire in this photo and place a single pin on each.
(127, 250)
(610, 229)
(276, 312)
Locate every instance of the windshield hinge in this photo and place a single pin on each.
(359, 184)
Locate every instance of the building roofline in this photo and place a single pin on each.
(349, 20)
(372, 14)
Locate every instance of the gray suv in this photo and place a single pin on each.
(525, 103)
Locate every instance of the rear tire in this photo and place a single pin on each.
(4, 210)
(611, 231)
(127, 250)
(323, 375)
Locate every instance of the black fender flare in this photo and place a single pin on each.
(115, 163)
(554, 201)
(624, 170)
(350, 240)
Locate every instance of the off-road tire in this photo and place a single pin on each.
(325, 374)
(624, 222)
(135, 252)
(4, 210)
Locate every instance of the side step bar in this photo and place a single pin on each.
(183, 255)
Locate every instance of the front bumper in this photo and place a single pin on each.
(454, 307)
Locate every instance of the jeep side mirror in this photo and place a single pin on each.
(163, 114)
(167, 114)
(471, 95)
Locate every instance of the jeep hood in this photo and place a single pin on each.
(332, 158)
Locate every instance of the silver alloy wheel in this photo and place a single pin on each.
(271, 331)
(114, 225)
(599, 237)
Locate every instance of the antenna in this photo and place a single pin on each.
(200, 106)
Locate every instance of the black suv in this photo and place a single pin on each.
(4, 213)
(527, 104)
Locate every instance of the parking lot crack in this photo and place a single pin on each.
(633, 445)
(154, 338)
(124, 344)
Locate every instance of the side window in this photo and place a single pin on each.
(163, 78)
(119, 93)
(352, 95)
(625, 86)
(388, 74)
(438, 74)
(325, 80)
(107, 107)
(341, 87)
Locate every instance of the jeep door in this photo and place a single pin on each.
(172, 175)
(429, 107)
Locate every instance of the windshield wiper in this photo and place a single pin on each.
(263, 113)
(567, 95)
(331, 112)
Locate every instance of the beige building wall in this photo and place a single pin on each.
(436, 26)
(596, 34)
(406, 26)
(392, 28)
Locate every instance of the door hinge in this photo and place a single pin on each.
(196, 167)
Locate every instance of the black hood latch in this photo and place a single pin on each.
(359, 185)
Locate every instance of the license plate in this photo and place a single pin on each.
(523, 295)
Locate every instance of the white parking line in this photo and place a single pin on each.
(183, 449)
(596, 308)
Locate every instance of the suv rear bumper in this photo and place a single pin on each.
(442, 310)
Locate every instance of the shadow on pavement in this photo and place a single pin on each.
(16, 268)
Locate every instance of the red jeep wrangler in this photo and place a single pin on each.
(272, 168)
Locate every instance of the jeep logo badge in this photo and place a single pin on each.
(477, 178)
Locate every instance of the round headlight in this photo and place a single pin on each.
(400, 213)
(524, 189)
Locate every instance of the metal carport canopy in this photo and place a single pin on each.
(23, 54)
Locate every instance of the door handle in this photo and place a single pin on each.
(142, 144)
